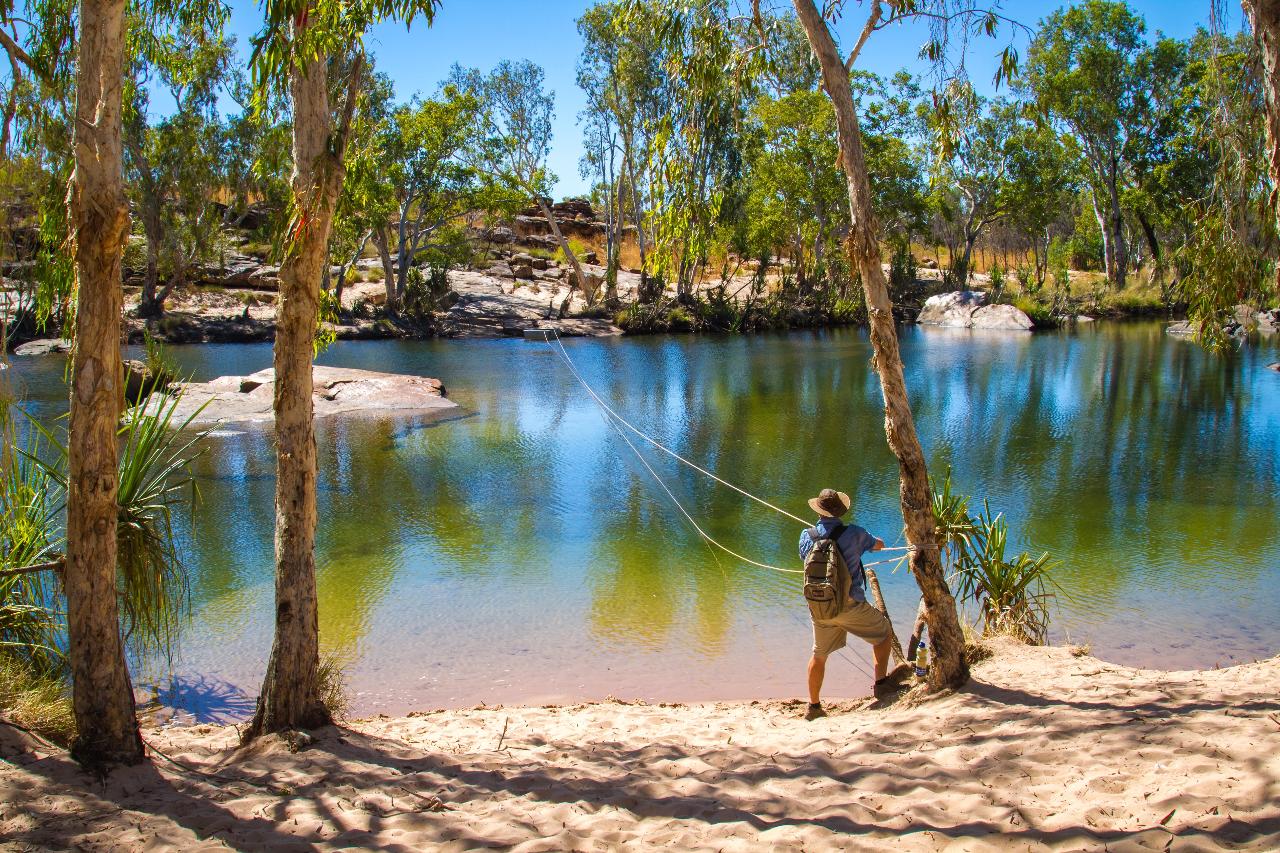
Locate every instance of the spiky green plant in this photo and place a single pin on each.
(1012, 594)
(154, 479)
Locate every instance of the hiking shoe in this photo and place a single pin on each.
(815, 711)
(891, 683)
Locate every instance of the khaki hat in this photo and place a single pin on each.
(830, 502)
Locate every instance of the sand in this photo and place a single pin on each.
(1044, 750)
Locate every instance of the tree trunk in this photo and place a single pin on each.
(1120, 250)
(102, 696)
(388, 277)
(148, 306)
(1264, 20)
(950, 669)
(568, 253)
(1153, 245)
(290, 696)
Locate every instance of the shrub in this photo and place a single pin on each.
(1012, 594)
(579, 249)
(36, 701)
(1040, 313)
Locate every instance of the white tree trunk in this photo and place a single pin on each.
(290, 696)
(1264, 20)
(102, 696)
(950, 669)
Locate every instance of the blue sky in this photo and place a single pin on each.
(481, 34)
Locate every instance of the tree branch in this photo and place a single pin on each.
(343, 132)
(53, 566)
(17, 54)
(867, 30)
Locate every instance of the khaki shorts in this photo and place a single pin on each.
(860, 619)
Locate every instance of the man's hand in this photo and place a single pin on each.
(879, 546)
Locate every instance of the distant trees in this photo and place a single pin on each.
(515, 139)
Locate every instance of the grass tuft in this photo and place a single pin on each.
(37, 702)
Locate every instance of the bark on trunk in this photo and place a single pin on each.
(102, 695)
(581, 279)
(1264, 20)
(290, 696)
(949, 669)
(388, 277)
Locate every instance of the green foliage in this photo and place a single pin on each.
(902, 271)
(1012, 594)
(578, 247)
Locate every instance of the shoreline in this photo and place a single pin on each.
(1044, 749)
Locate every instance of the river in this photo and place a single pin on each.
(517, 552)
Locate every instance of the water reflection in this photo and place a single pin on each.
(519, 552)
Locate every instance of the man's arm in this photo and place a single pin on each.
(877, 544)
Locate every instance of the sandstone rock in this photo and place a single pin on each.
(929, 264)
(140, 381)
(952, 309)
(521, 270)
(1275, 365)
(501, 234)
(1001, 317)
(338, 390)
(43, 347)
(538, 263)
(1181, 327)
(1081, 318)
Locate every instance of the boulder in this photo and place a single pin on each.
(1083, 318)
(140, 380)
(337, 390)
(1001, 317)
(952, 309)
(43, 347)
(1275, 365)
(501, 235)
(538, 263)
(574, 208)
(1269, 322)
(929, 264)
(521, 270)
(1181, 328)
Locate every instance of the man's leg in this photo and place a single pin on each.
(880, 654)
(817, 671)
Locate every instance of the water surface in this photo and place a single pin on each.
(518, 552)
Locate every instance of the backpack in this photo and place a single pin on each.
(826, 575)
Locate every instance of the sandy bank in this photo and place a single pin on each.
(1043, 750)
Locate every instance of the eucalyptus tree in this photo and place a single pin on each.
(1044, 180)
(695, 162)
(515, 127)
(174, 165)
(975, 160)
(102, 696)
(426, 171)
(622, 72)
(1264, 22)
(795, 194)
(256, 141)
(299, 42)
(1082, 68)
(863, 246)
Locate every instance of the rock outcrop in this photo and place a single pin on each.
(968, 309)
(338, 390)
(43, 347)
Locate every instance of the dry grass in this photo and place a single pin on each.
(332, 676)
(39, 703)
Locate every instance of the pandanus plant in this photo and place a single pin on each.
(1012, 595)
(155, 479)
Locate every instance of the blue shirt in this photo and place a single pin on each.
(853, 543)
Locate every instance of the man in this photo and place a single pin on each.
(859, 618)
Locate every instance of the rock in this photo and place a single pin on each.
(338, 390)
(589, 257)
(1181, 327)
(1269, 322)
(929, 264)
(1081, 318)
(574, 208)
(1246, 316)
(522, 258)
(538, 263)
(1275, 365)
(501, 235)
(1001, 317)
(952, 309)
(521, 270)
(140, 381)
(43, 347)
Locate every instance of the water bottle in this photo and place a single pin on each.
(922, 657)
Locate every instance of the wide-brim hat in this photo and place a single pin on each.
(829, 502)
